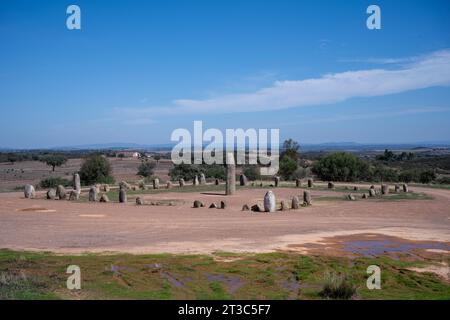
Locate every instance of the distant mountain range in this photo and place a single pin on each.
(350, 146)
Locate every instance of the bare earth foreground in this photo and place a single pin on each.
(79, 227)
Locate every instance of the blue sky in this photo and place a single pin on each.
(137, 70)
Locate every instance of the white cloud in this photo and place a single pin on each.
(422, 72)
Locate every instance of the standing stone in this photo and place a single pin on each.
(364, 196)
(181, 182)
(93, 194)
(51, 194)
(330, 185)
(76, 183)
(217, 182)
(242, 180)
(29, 191)
(139, 201)
(169, 185)
(384, 189)
(213, 206)
(104, 198)
(276, 181)
(61, 192)
(198, 204)
(230, 186)
(397, 188)
(355, 188)
(156, 183)
(298, 183)
(351, 197)
(74, 195)
(106, 188)
(284, 206)
(195, 181)
(223, 205)
(295, 202)
(306, 198)
(269, 202)
(372, 187)
(372, 193)
(310, 183)
(405, 188)
(202, 178)
(122, 196)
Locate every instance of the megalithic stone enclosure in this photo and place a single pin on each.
(230, 186)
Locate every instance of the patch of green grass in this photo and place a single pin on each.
(246, 276)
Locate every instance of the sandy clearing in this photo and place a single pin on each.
(73, 227)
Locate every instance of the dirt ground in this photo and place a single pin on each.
(77, 227)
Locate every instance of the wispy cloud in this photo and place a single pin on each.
(363, 116)
(421, 72)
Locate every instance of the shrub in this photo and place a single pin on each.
(53, 182)
(252, 172)
(146, 168)
(96, 169)
(336, 286)
(287, 167)
(427, 176)
(340, 166)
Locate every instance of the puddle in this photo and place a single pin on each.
(231, 283)
(379, 247)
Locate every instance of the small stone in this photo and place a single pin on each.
(223, 205)
(51, 194)
(156, 183)
(405, 188)
(122, 196)
(372, 193)
(384, 189)
(181, 182)
(364, 196)
(310, 183)
(298, 183)
(198, 204)
(397, 188)
(104, 198)
(61, 192)
(169, 185)
(355, 188)
(29, 191)
(257, 208)
(242, 180)
(245, 208)
(269, 202)
(74, 195)
(284, 206)
(213, 206)
(195, 182)
(295, 203)
(330, 185)
(276, 181)
(139, 201)
(351, 197)
(217, 182)
(106, 188)
(93, 194)
(306, 198)
(202, 178)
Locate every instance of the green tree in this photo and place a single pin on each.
(287, 167)
(96, 169)
(146, 167)
(252, 172)
(54, 161)
(341, 166)
(290, 149)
